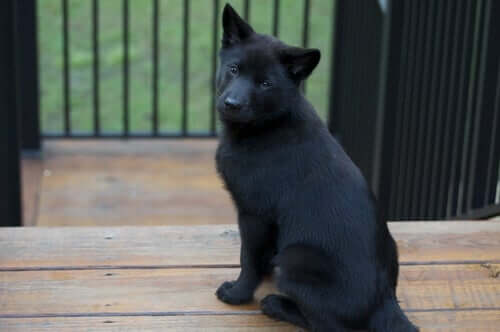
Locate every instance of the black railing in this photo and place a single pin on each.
(435, 149)
(275, 13)
(415, 99)
(10, 111)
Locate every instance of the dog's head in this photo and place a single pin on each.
(258, 75)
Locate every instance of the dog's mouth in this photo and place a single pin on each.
(240, 116)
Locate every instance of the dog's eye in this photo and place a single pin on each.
(233, 69)
(266, 84)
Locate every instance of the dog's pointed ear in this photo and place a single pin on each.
(300, 62)
(235, 29)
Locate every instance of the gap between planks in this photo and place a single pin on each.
(445, 321)
(203, 266)
(200, 313)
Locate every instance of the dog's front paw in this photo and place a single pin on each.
(229, 292)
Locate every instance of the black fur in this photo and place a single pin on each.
(302, 203)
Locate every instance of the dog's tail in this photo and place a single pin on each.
(390, 317)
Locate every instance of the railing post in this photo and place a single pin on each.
(27, 72)
(485, 153)
(337, 41)
(355, 78)
(387, 108)
(10, 189)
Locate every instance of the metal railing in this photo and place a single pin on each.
(433, 69)
(415, 99)
(156, 52)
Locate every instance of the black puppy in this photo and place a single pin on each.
(303, 206)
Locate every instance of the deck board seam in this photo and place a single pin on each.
(200, 313)
(207, 266)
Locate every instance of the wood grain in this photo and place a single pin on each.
(443, 321)
(240, 323)
(164, 278)
(132, 183)
(192, 290)
(31, 174)
(429, 242)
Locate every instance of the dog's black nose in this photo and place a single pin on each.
(232, 103)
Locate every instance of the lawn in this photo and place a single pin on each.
(170, 72)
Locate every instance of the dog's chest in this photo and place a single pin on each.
(249, 176)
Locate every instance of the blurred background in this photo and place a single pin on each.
(113, 101)
(171, 47)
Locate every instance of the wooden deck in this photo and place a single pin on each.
(109, 183)
(164, 278)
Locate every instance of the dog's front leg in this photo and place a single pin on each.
(257, 243)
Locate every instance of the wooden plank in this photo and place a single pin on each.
(133, 183)
(419, 242)
(240, 323)
(123, 246)
(182, 291)
(145, 198)
(31, 170)
(447, 241)
(457, 321)
(443, 321)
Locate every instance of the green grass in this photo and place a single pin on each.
(170, 84)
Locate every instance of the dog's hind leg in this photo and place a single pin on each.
(282, 308)
(302, 277)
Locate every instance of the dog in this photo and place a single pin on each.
(304, 208)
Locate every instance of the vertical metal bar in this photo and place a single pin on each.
(27, 72)
(276, 18)
(185, 67)
(480, 113)
(95, 77)
(402, 190)
(336, 66)
(451, 108)
(492, 176)
(389, 105)
(359, 56)
(344, 75)
(377, 164)
(410, 200)
(460, 111)
(341, 74)
(423, 114)
(472, 94)
(349, 105)
(246, 10)
(374, 68)
(441, 110)
(156, 10)
(10, 190)
(483, 144)
(397, 97)
(357, 64)
(305, 26)
(349, 76)
(430, 107)
(66, 81)
(125, 27)
(215, 46)
(305, 31)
